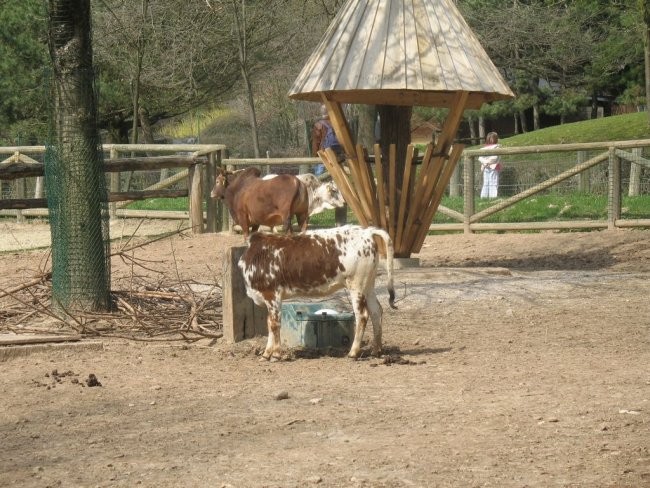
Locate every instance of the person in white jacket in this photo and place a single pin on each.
(491, 167)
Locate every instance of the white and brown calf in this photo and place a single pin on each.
(322, 195)
(318, 263)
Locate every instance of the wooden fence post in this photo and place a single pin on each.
(635, 174)
(468, 192)
(614, 189)
(454, 182)
(115, 187)
(584, 178)
(210, 203)
(242, 319)
(195, 187)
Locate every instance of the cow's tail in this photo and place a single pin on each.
(390, 251)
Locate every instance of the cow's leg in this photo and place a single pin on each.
(376, 312)
(360, 308)
(286, 225)
(303, 221)
(243, 223)
(273, 349)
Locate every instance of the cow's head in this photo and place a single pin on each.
(220, 185)
(227, 178)
(333, 193)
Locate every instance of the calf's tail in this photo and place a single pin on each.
(390, 251)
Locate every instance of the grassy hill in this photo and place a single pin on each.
(614, 128)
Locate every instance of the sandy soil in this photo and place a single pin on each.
(513, 360)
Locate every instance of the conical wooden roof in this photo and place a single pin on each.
(394, 52)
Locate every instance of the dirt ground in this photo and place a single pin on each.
(513, 360)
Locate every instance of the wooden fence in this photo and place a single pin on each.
(199, 160)
(612, 153)
(201, 163)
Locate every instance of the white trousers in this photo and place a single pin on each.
(490, 183)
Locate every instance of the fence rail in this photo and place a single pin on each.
(199, 163)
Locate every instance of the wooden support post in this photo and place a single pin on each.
(212, 214)
(20, 191)
(417, 205)
(242, 319)
(442, 183)
(195, 187)
(115, 186)
(469, 196)
(392, 161)
(329, 159)
(634, 188)
(381, 193)
(614, 187)
(583, 178)
(367, 188)
(406, 181)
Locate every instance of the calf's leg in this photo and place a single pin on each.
(273, 349)
(376, 313)
(360, 308)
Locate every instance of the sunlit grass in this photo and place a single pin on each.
(191, 124)
(540, 208)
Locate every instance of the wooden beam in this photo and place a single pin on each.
(392, 161)
(150, 163)
(22, 203)
(340, 125)
(417, 207)
(242, 319)
(144, 194)
(408, 165)
(328, 156)
(25, 203)
(195, 186)
(443, 181)
(381, 193)
(367, 187)
(409, 98)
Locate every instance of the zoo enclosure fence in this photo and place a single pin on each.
(591, 168)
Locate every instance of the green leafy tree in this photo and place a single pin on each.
(644, 7)
(23, 56)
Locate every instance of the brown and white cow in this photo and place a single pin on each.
(253, 201)
(318, 263)
(322, 195)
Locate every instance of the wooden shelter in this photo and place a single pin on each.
(401, 54)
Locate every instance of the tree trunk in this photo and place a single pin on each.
(472, 131)
(251, 113)
(240, 24)
(481, 129)
(366, 132)
(395, 129)
(81, 276)
(647, 65)
(522, 118)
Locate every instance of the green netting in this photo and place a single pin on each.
(74, 177)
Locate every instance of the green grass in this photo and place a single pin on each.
(551, 207)
(547, 207)
(540, 208)
(614, 128)
(172, 204)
